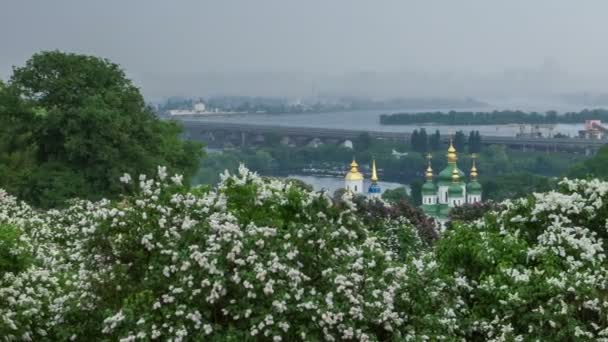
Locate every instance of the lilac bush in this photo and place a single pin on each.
(262, 259)
(251, 259)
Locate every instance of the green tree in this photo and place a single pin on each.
(81, 124)
(460, 141)
(435, 141)
(424, 141)
(363, 142)
(593, 167)
(515, 185)
(396, 195)
(14, 251)
(415, 140)
(474, 142)
(419, 140)
(259, 161)
(416, 191)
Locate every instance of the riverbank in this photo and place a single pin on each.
(370, 121)
(333, 183)
(504, 117)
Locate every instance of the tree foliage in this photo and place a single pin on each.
(363, 142)
(470, 212)
(71, 124)
(261, 259)
(493, 118)
(419, 141)
(396, 195)
(597, 166)
(435, 141)
(460, 141)
(474, 142)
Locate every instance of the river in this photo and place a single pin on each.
(329, 183)
(370, 120)
(334, 183)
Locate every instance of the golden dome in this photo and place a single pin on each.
(452, 157)
(354, 174)
(455, 175)
(429, 173)
(473, 171)
(429, 169)
(451, 149)
(374, 173)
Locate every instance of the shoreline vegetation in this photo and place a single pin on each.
(503, 117)
(285, 106)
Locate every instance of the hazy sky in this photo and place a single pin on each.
(157, 42)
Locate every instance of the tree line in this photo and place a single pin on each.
(493, 118)
(423, 143)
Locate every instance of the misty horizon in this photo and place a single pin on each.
(471, 48)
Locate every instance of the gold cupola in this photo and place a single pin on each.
(455, 176)
(473, 171)
(429, 169)
(354, 174)
(452, 157)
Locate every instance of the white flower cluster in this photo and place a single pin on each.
(255, 258)
(544, 274)
(259, 259)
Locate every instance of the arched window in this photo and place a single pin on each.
(356, 188)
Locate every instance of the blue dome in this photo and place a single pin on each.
(374, 189)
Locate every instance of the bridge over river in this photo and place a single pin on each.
(222, 133)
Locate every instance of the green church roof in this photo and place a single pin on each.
(474, 187)
(446, 174)
(455, 189)
(429, 188)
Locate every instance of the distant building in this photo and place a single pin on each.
(593, 130)
(347, 144)
(199, 108)
(450, 190)
(353, 181)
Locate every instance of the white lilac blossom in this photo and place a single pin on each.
(168, 264)
(265, 260)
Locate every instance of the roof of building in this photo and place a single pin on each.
(474, 187)
(456, 189)
(446, 174)
(429, 188)
(354, 174)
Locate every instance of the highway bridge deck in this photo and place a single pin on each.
(194, 126)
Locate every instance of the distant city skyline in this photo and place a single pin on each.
(433, 48)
